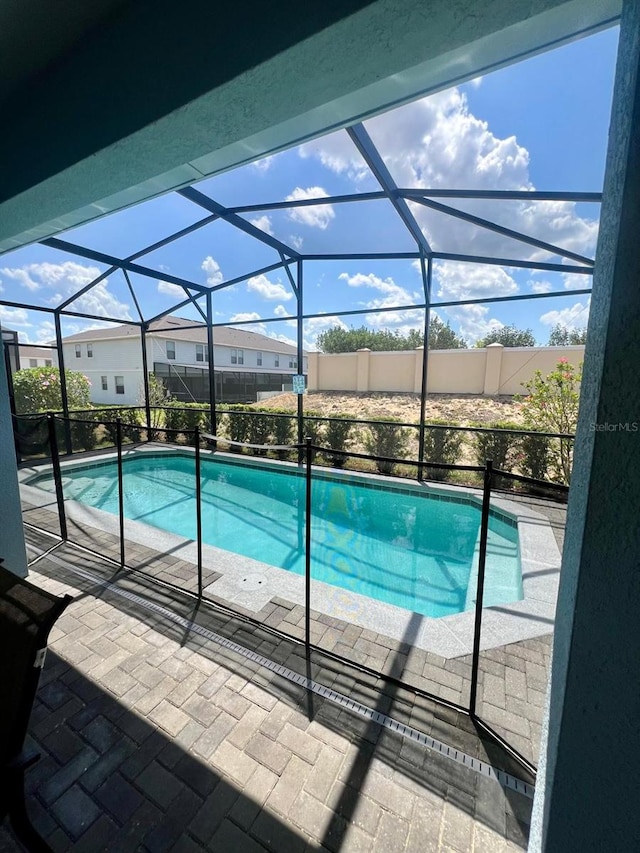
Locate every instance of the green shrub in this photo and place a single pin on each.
(37, 389)
(173, 419)
(443, 446)
(500, 447)
(386, 439)
(337, 436)
(535, 456)
(83, 432)
(260, 428)
(313, 429)
(552, 405)
(283, 430)
(238, 425)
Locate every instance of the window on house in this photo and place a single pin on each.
(33, 362)
(240, 356)
(293, 363)
(105, 384)
(119, 384)
(237, 356)
(78, 350)
(259, 359)
(277, 361)
(171, 350)
(89, 350)
(202, 353)
(48, 362)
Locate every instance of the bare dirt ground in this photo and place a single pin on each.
(461, 410)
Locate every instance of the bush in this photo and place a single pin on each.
(260, 428)
(441, 445)
(386, 439)
(552, 406)
(313, 429)
(337, 435)
(536, 456)
(37, 389)
(83, 432)
(500, 447)
(283, 430)
(238, 425)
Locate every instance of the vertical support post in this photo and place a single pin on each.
(482, 559)
(120, 489)
(198, 510)
(212, 371)
(145, 377)
(300, 355)
(426, 284)
(57, 476)
(307, 550)
(63, 384)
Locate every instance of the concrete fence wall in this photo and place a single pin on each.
(490, 371)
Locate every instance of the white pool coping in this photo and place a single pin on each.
(251, 584)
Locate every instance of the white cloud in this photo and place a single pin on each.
(394, 294)
(540, 286)
(315, 326)
(468, 281)
(476, 82)
(14, 316)
(338, 154)
(261, 285)
(245, 315)
(575, 281)
(295, 241)
(170, 289)
(263, 223)
(212, 268)
(315, 216)
(67, 279)
(575, 317)
(473, 321)
(264, 164)
(281, 311)
(438, 142)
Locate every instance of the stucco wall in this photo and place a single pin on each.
(490, 371)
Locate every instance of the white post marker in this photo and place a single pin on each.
(298, 384)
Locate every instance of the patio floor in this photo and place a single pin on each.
(156, 738)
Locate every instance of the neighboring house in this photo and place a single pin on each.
(244, 362)
(32, 356)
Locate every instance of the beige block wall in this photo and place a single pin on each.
(490, 371)
(456, 371)
(520, 363)
(392, 370)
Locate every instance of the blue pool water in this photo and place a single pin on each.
(403, 547)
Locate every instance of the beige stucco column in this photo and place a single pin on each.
(417, 371)
(362, 370)
(312, 372)
(492, 369)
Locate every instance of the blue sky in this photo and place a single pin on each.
(541, 124)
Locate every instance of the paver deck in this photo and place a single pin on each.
(154, 738)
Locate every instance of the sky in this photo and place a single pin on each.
(541, 124)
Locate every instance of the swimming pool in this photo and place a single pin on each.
(405, 546)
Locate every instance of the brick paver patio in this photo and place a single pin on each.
(154, 738)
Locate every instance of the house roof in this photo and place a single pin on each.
(188, 330)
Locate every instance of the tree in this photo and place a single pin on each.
(337, 339)
(37, 389)
(508, 336)
(442, 336)
(552, 406)
(562, 337)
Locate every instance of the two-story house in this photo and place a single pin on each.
(245, 363)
